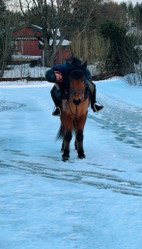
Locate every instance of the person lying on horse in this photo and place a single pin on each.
(60, 76)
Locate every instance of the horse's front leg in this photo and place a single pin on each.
(79, 142)
(66, 145)
(79, 136)
(68, 127)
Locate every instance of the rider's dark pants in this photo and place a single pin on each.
(56, 94)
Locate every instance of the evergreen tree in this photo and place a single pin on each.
(2, 7)
(122, 55)
(138, 15)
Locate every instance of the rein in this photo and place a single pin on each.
(72, 94)
(74, 114)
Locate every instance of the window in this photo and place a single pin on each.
(14, 45)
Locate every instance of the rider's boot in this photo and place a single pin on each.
(96, 107)
(55, 94)
(57, 111)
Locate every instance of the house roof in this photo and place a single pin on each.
(40, 30)
(32, 26)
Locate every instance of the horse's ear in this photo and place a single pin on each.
(69, 66)
(84, 66)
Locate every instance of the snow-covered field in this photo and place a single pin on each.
(93, 203)
(24, 70)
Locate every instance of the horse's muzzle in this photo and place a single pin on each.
(76, 102)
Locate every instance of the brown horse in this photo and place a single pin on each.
(74, 112)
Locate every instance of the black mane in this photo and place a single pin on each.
(75, 64)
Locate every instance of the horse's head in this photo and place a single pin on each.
(77, 86)
(77, 81)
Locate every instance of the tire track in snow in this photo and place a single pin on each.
(125, 121)
(97, 177)
(8, 105)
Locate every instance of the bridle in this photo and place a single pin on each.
(77, 102)
(77, 92)
(76, 74)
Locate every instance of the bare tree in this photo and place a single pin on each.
(70, 17)
(5, 37)
(51, 14)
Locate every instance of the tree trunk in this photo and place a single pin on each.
(46, 58)
(3, 65)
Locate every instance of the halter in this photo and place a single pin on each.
(77, 92)
(81, 99)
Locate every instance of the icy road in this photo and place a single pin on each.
(94, 203)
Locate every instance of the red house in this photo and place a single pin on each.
(27, 45)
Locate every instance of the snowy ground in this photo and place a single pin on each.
(24, 70)
(87, 204)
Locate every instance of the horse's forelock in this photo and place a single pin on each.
(77, 74)
(75, 64)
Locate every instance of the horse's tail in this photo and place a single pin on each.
(60, 133)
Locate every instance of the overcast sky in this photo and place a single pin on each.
(127, 1)
(14, 4)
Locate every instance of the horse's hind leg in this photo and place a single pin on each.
(62, 148)
(66, 144)
(75, 145)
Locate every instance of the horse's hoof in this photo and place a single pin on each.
(65, 158)
(81, 156)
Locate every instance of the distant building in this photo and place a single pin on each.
(27, 43)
